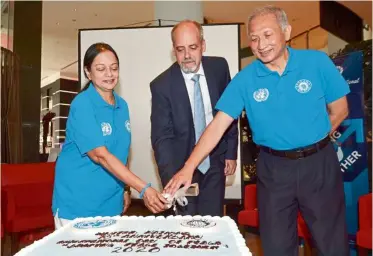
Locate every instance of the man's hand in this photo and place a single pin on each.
(127, 202)
(230, 167)
(154, 201)
(182, 177)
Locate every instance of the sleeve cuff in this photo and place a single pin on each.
(337, 97)
(88, 146)
(231, 156)
(230, 113)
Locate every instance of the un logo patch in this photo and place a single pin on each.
(303, 86)
(106, 129)
(128, 126)
(340, 69)
(261, 95)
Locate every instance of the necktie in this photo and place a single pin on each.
(199, 119)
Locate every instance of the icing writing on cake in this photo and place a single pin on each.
(149, 234)
(149, 241)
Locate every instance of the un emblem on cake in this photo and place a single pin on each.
(198, 223)
(94, 224)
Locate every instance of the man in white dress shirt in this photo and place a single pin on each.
(183, 101)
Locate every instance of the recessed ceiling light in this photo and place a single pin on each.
(74, 10)
(57, 23)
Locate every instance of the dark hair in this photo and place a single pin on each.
(90, 55)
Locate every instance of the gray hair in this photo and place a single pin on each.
(195, 23)
(269, 9)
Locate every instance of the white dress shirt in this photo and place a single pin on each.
(205, 92)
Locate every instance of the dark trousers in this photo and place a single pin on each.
(210, 200)
(313, 186)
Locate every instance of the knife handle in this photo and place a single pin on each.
(193, 190)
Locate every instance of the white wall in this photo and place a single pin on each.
(335, 43)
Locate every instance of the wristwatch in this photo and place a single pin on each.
(127, 189)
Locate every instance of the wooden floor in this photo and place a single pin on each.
(138, 209)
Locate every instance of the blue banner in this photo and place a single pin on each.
(350, 142)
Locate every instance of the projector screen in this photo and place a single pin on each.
(144, 53)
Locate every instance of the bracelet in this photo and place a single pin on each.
(143, 190)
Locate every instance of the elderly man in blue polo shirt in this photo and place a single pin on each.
(294, 99)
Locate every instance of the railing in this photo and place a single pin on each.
(307, 33)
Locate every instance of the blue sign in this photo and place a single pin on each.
(350, 141)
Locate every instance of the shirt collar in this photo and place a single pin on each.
(263, 70)
(190, 75)
(98, 100)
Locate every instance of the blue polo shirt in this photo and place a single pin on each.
(83, 188)
(287, 111)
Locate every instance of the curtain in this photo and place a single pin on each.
(11, 126)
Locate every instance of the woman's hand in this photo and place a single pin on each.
(127, 202)
(154, 201)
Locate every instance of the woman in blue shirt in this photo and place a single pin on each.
(91, 170)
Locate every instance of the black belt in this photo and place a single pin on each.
(298, 153)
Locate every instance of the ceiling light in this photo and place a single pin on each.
(57, 23)
(74, 10)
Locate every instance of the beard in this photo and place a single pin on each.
(189, 69)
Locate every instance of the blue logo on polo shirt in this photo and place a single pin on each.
(303, 86)
(261, 95)
(128, 126)
(106, 129)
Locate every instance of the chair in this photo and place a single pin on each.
(14, 174)
(26, 201)
(2, 237)
(249, 216)
(364, 234)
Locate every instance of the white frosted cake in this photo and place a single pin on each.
(132, 235)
